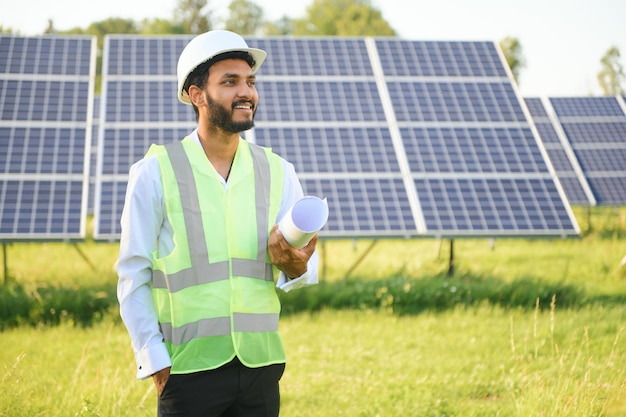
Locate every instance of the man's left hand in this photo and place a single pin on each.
(290, 260)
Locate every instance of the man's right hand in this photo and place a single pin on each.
(160, 379)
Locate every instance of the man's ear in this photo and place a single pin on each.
(196, 95)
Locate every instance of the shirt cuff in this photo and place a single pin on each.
(152, 359)
(287, 285)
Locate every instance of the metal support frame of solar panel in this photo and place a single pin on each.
(138, 107)
(561, 154)
(46, 93)
(595, 128)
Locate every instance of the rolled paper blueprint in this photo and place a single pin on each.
(303, 220)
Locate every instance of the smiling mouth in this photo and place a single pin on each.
(243, 106)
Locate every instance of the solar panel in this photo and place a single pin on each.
(475, 162)
(594, 131)
(561, 154)
(398, 135)
(138, 107)
(46, 93)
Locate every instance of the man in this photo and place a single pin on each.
(200, 244)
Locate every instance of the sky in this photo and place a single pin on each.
(562, 40)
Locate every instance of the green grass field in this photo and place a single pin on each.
(464, 359)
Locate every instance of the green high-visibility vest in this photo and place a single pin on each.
(215, 294)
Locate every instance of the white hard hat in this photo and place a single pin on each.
(207, 45)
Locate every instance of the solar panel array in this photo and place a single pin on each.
(404, 138)
(586, 140)
(46, 94)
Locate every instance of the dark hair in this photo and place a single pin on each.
(200, 74)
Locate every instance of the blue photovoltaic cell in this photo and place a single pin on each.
(36, 150)
(559, 158)
(602, 160)
(139, 108)
(536, 108)
(317, 101)
(466, 138)
(144, 55)
(45, 129)
(109, 208)
(41, 208)
(548, 134)
(363, 207)
(332, 150)
(472, 150)
(595, 133)
(43, 100)
(576, 107)
(116, 159)
(145, 101)
(416, 101)
(474, 205)
(319, 56)
(573, 188)
(45, 55)
(439, 59)
(595, 128)
(611, 188)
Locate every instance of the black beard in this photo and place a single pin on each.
(222, 117)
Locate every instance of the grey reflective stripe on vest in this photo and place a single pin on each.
(262, 196)
(220, 326)
(201, 270)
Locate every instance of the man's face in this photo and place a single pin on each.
(231, 95)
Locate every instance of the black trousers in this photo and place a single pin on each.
(232, 390)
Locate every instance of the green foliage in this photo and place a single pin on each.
(512, 50)
(160, 27)
(244, 17)
(342, 18)
(403, 295)
(15, 306)
(112, 25)
(6, 29)
(52, 305)
(611, 76)
(193, 16)
(281, 27)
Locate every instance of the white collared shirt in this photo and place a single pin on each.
(145, 229)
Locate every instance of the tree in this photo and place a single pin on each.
(7, 30)
(244, 17)
(280, 27)
(189, 15)
(611, 76)
(512, 50)
(159, 26)
(50, 29)
(343, 18)
(111, 25)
